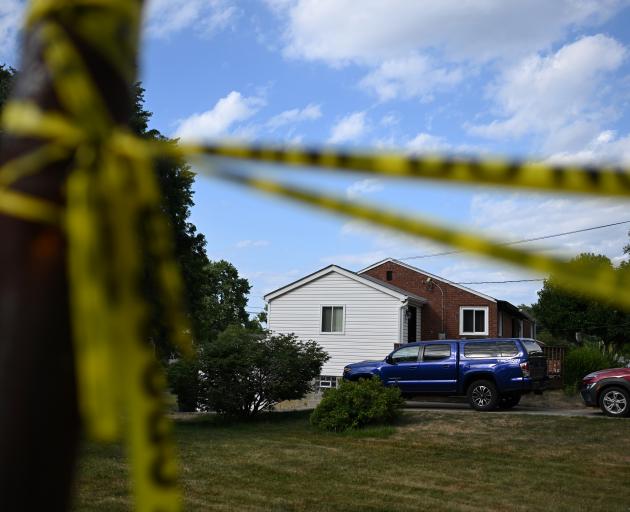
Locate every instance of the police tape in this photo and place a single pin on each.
(593, 180)
(113, 220)
(113, 223)
(595, 280)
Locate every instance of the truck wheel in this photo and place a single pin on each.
(509, 401)
(483, 395)
(615, 402)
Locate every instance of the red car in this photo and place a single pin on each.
(608, 389)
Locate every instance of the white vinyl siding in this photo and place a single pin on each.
(371, 320)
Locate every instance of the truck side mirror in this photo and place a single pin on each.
(389, 359)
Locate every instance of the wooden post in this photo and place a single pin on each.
(39, 421)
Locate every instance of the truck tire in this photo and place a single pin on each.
(615, 402)
(483, 395)
(509, 401)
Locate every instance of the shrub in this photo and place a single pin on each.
(246, 371)
(583, 360)
(357, 404)
(183, 379)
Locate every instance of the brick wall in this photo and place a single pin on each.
(414, 282)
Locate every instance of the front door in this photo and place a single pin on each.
(412, 324)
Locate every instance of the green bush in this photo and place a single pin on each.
(357, 404)
(183, 379)
(583, 360)
(246, 371)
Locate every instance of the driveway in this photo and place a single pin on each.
(461, 407)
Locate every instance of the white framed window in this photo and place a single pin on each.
(332, 319)
(327, 382)
(473, 320)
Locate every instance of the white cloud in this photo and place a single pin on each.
(606, 147)
(166, 17)
(349, 128)
(267, 281)
(409, 77)
(502, 217)
(427, 143)
(355, 261)
(309, 113)
(394, 39)
(560, 95)
(338, 31)
(364, 187)
(245, 244)
(385, 242)
(217, 121)
(11, 14)
(389, 120)
(515, 217)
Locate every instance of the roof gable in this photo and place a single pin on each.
(383, 287)
(424, 272)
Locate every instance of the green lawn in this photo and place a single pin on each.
(429, 461)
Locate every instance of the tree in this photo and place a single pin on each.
(247, 371)
(215, 294)
(564, 314)
(7, 76)
(7, 79)
(224, 298)
(176, 180)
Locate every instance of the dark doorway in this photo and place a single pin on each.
(412, 323)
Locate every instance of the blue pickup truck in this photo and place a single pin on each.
(490, 372)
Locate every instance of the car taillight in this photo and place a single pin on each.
(525, 369)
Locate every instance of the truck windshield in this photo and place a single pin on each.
(532, 347)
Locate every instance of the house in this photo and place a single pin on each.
(365, 314)
(454, 311)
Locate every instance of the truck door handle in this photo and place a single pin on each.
(446, 366)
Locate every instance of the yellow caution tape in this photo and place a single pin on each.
(29, 208)
(25, 119)
(113, 222)
(607, 181)
(31, 163)
(597, 281)
(114, 225)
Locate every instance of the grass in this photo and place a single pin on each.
(429, 461)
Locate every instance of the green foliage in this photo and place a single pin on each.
(176, 180)
(184, 381)
(357, 404)
(583, 360)
(7, 77)
(224, 298)
(564, 314)
(246, 370)
(215, 294)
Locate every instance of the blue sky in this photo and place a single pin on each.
(521, 78)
